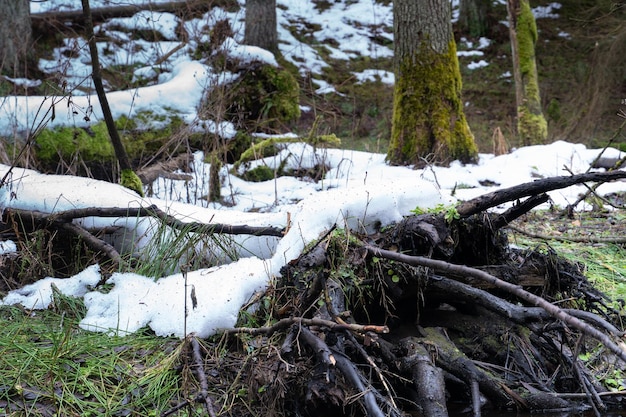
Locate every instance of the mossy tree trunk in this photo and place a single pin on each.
(260, 25)
(15, 36)
(532, 126)
(428, 123)
(474, 17)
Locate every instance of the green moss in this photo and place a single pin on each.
(533, 128)
(554, 110)
(266, 95)
(131, 181)
(259, 174)
(65, 143)
(531, 124)
(92, 145)
(428, 119)
(267, 148)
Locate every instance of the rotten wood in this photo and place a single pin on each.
(427, 378)
(164, 169)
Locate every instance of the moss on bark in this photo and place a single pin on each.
(428, 121)
(532, 126)
(131, 181)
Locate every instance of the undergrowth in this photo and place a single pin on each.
(49, 366)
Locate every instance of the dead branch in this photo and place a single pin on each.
(151, 211)
(98, 245)
(554, 311)
(498, 197)
(164, 169)
(518, 210)
(518, 314)
(286, 322)
(352, 374)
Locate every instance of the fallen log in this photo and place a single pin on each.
(75, 17)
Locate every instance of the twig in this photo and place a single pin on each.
(201, 375)
(554, 311)
(588, 239)
(346, 367)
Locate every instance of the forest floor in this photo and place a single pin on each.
(49, 366)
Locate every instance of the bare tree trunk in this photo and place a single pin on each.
(532, 126)
(128, 177)
(15, 36)
(260, 28)
(428, 122)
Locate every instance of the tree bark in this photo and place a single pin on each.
(428, 122)
(15, 36)
(532, 126)
(260, 27)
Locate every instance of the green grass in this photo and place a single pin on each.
(49, 366)
(604, 263)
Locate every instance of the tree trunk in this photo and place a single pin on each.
(428, 122)
(532, 126)
(474, 17)
(260, 27)
(15, 36)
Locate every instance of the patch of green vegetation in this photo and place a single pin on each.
(450, 212)
(266, 96)
(267, 147)
(49, 366)
(603, 262)
(130, 180)
(259, 174)
(70, 145)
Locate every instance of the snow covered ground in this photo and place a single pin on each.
(359, 191)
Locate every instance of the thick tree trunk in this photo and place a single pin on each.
(474, 17)
(428, 121)
(532, 126)
(15, 36)
(260, 28)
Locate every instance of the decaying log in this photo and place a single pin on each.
(165, 169)
(496, 198)
(58, 18)
(427, 378)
